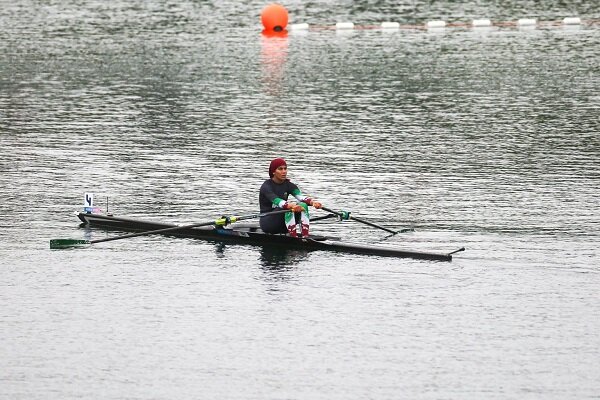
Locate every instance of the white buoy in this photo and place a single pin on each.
(572, 21)
(390, 25)
(527, 22)
(299, 27)
(436, 24)
(344, 25)
(481, 23)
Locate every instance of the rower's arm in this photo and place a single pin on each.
(299, 196)
(278, 202)
(306, 199)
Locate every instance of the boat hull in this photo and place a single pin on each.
(254, 236)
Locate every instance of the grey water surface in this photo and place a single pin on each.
(483, 138)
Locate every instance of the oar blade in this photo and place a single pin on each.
(67, 243)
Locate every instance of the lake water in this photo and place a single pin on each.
(483, 138)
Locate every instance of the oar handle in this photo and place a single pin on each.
(341, 214)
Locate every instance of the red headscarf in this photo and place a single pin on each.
(276, 163)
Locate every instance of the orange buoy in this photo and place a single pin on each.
(274, 18)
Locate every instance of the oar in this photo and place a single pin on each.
(456, 251)
(346, 215)
(328, 216)
(324, 217)
(65, 243)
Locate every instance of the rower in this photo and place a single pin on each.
(274, 194)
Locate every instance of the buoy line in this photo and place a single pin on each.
(274, 18)
(440, 24)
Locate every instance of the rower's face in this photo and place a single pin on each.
(280, 173)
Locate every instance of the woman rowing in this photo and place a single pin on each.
(274, 194)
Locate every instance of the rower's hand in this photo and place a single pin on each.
(316, 204)
(294, 207)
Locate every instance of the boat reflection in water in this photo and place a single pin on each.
(275, 257)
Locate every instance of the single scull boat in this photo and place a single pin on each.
(252, 235)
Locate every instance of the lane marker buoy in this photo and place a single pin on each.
(344, 25)
(436, 24)
(527, 22)
(481, 23)
(390, 25)
(300, 27)
(572, 21)
(274, 18)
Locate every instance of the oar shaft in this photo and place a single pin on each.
(373, 225)
(359, 220)
(456, 251)
(323, 217)
(220, 221)
(329, 210)
(172, 228)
